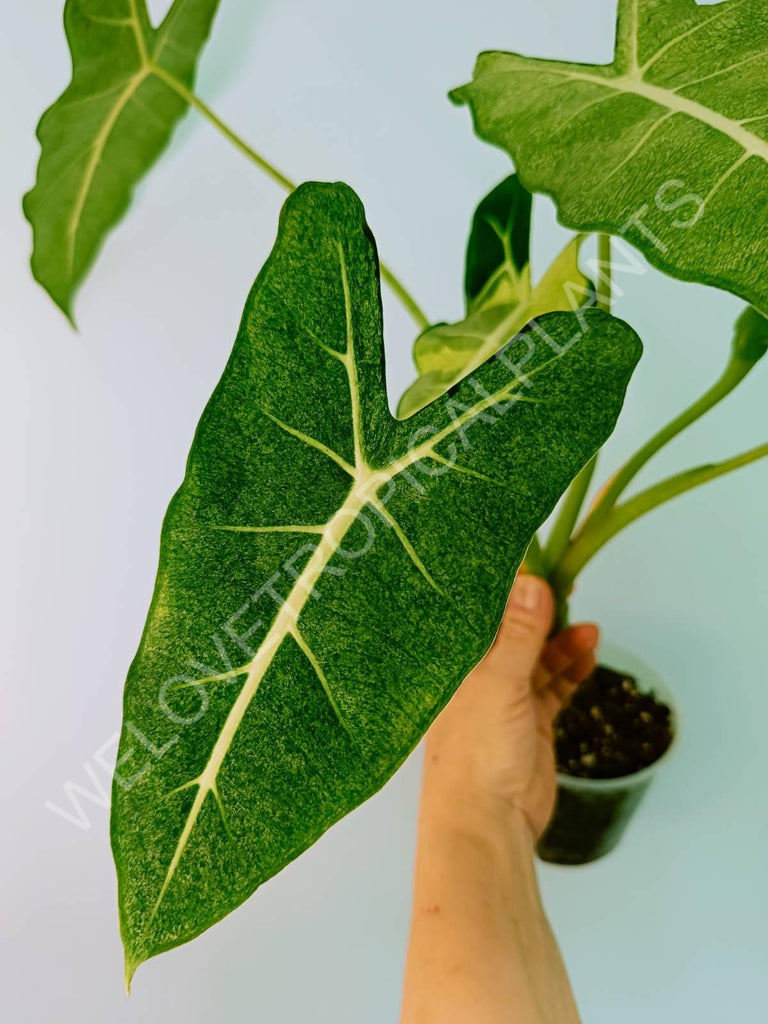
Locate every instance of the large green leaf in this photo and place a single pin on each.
(108, 127)
(667, 146)
(500, 296)
(328, 574)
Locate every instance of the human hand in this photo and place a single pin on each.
(481, 948)
(492, 746)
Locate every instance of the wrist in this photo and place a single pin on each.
(462, 808)
(473, 796)
(466, 835)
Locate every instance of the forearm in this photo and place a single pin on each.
(481, 950)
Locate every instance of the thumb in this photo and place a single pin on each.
(524, 629)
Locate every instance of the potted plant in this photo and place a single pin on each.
(615, 731)
(662, 148)
(291, 660)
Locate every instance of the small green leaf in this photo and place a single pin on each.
(500, 297)
(499, 243)
(328, 574)
(107, 128)
(667, 146)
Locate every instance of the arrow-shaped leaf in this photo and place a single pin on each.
(500, 296)
(328, 574)
(667, 146)
(108, 127)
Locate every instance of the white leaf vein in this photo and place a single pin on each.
(363, 492)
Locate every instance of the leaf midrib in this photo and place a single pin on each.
(678, 104)
(284, 625)
(99, 146)
(752, 144)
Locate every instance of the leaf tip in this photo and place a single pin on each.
(457, 96)
(67, 311)
(62, 297)
(64, 304)
(130, 970)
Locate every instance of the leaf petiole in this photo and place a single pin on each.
(568, 516)
(566, 558)
(205, 111)
(604, 295)
(596, 534)
(748, 347)
(395, 284)
(534, 558)
(576, 494)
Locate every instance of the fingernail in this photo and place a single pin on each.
(527, 593)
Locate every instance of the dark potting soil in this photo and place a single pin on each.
(610, 728)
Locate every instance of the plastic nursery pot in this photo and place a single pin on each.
(591, 815)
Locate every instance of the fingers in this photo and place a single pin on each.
(554, 691)
(583, 637)
(527, 620)
(580, 669)
(569, 655)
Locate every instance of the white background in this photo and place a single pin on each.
(95, 430)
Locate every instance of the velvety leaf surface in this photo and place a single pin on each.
(499, 294)
(667, 146)
(108, 127)
(328, 574)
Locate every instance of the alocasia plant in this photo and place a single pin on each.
(328, 573)
(677, 120)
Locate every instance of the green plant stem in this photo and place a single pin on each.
(733, 374)
(534, 558)
(604, 272)
(575, 497)
(568, 516)
(397, 287)
(596, 534)
(407, 300)
(202, 108)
